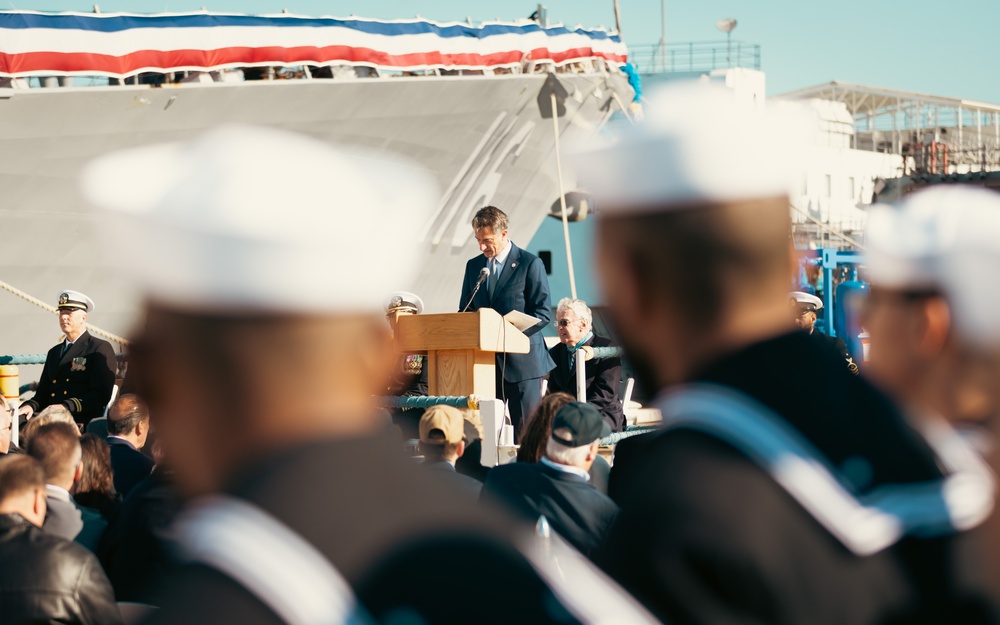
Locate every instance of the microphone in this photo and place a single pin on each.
(483, 274)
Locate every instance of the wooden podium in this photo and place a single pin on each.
(461, 349)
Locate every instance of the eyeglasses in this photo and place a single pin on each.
(562, 323)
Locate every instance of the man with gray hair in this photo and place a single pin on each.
(557, 487)
(575, 324)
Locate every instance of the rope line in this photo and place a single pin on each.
(605, 352)
(52, 309)
(468, 401)
(632, 430)
(38, 359)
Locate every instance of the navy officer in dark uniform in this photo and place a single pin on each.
(261, 375)
(79, 372)
(804, 306)
(409, 377)
(781, 488)
(516, 281)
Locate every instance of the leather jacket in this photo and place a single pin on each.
(46, 579)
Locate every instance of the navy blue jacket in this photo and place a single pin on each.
(571, 505)
(522, 286)
(81, 379)
(130, 466)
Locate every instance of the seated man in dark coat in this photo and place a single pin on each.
(442, 441)
(557, 486)
(128, 428)
(134, 550)
(45, 579)
(603, 375)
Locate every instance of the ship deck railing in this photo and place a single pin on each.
(302, 72)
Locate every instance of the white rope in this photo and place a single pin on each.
(52, 309)
(562, 195)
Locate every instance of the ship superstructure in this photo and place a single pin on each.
(469, 103)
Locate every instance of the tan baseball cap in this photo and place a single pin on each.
(442, 424)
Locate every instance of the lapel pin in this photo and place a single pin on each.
(513, 265)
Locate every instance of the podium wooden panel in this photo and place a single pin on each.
(460, 349)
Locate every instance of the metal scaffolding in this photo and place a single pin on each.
(934, 134)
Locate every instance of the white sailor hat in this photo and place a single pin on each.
(69, 300)
(804, 300)
(698, 144)
(402, 300)
(261, 220)
(945, 239)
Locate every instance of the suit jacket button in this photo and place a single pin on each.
(54, 381)
(53, 394)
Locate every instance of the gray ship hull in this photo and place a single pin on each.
(484, 137)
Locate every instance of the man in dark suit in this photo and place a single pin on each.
(603, 375)
(79, 372)
(128, 429)
(135, 549)
(442, 441)
(516, 281)
(557, 486)
(758, 501)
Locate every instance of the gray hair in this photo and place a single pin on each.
(579, 307)
(563, 454)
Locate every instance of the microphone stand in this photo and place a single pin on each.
(479, 283)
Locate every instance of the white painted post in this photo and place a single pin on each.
(9, 386)
(581, 376)
(495, 450)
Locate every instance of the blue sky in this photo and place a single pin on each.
(917, 45)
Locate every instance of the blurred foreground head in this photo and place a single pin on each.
(264, 258)
(693, 243)
(932, 312)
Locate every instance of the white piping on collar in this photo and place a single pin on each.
(267, 558)
(565, 468)
(865, 525)
(583, 589)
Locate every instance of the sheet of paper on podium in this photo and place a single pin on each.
(520, 320)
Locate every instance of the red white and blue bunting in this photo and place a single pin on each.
(120, 44)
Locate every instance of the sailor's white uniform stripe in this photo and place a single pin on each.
(866, 524)
(271, 561)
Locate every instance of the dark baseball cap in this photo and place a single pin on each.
(584, 423)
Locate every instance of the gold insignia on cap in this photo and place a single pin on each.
(63, 299)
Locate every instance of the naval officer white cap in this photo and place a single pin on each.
(404, 300)
(804, 300)
(70, 300)
(699, 144)
(945, 239)
(255, 219)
